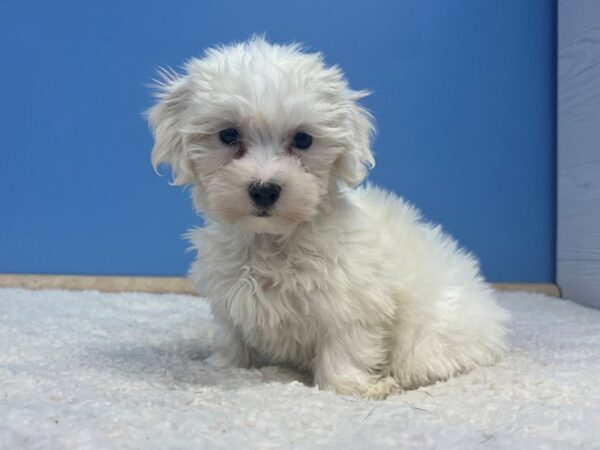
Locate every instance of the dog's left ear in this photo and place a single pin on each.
(166, 120)
(355, 162)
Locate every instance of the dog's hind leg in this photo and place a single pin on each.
(448, 337)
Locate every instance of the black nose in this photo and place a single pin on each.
(264, 194)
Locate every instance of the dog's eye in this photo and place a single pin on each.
(302, 140)
(229, 136)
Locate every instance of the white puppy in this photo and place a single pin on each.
(300, 268)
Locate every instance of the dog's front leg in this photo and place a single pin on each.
(347, 362)
(230, 350)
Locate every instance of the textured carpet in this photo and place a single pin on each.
(92, 370)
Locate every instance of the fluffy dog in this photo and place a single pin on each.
(301, 267)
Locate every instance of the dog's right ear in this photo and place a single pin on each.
(166, 120)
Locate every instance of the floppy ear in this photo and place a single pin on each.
(166, 119)
(354, 163)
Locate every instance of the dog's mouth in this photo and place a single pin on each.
(262, 213)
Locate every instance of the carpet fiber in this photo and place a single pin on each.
(95, 370)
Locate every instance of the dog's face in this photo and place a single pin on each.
(263, 133)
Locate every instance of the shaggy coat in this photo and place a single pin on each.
(348, 283)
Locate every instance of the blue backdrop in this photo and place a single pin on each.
(464, 100)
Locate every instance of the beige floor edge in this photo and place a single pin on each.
(174, 284)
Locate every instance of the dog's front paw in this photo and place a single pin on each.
(381, 389)
(362, 387)
(219, 360)
(280, 374)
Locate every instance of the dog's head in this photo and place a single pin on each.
(263, 132)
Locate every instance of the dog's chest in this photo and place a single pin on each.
(283, 326)
(271, 296)
(279, 317)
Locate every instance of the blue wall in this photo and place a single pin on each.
(464, 98)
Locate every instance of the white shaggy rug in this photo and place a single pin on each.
(91, 370)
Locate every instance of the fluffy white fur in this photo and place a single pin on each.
(345, 282)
